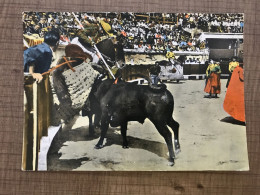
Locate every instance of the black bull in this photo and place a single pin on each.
(123, 102)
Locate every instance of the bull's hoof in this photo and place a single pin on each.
(177, 151)
(170, 163)
(98, 146)
(177, 146)
(125, 147)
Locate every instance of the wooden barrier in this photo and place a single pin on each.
(129, 72)
(37, 108)
(33, 39)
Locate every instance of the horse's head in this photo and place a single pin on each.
(112, 50)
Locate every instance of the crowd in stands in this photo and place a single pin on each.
(141, 31)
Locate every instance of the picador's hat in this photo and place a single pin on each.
(106, 27)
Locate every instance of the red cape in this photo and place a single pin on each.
(234, 101)
(213, 84)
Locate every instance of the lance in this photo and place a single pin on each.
(102, 58)
(80, 25)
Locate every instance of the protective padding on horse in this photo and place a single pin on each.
(71, 91)
(79, 83)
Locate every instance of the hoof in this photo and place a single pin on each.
(177, 151)
(125, 147)
(170, 163)
(98, 146)
(176, 145)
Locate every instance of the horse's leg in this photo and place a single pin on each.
(91, 126)
(123, 133)
(167, 135)
(97, 119)
(175, 127)
(87, 111)
(104, 127)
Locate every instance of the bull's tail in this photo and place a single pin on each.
(170, 102)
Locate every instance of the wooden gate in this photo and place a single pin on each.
(37, 115)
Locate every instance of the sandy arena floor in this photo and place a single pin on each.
(209, 138)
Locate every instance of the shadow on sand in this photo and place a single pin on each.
(81, 134)
(231, 120)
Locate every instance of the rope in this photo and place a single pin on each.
(59, 65)
(69, 64)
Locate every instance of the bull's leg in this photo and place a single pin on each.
(123, 133)
(167, 135)
(175, 127)
(104, 127)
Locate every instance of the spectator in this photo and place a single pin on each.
(37, 59)
(153, 33)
